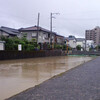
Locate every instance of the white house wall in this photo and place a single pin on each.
(81, 43)
(72, 43)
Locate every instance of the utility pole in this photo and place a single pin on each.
(85, 42)
(51, 30)
(51, 17)
(38, 22)
(51, 22)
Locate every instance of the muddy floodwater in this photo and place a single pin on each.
(19, 75)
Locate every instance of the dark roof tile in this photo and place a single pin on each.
(80, 39)
(35, 28)
(9, 30)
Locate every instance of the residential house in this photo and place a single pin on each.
(81, 42)
(60, 39)
(39, 34)
(90, 44)
(66, 41)
(8, 32)
(72, 41)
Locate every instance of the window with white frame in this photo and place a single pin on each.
(45, 35)
(33, 34)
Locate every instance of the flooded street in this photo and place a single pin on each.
(19, 75)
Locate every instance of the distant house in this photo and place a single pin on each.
(8, 32)
(66, 42)
(72, 41)
(60, 39)
(41, 35)
(90, 44)
(81, 42)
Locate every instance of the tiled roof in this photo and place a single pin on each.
(80, 39)
(9, 30)
(71, 37)
(35, 28)
(67, 39)
(59, 35)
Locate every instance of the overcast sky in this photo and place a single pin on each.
(75, 15)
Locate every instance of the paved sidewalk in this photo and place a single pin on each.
(80, 83)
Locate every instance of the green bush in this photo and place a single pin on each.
(58, 46)
(12, 44)
(78, 47)
(64, 47)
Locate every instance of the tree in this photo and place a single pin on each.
(97, 47)
(12, 44)
(78, 47)
(64, 47)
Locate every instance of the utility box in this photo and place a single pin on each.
(2, 45)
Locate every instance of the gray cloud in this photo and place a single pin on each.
(75, 15)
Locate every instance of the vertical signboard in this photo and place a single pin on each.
(19, 47)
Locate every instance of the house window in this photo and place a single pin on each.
(74, 41)
(46, 35)
(33, 34)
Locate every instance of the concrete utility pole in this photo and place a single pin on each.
(38, 22)
(51, 17)
(85, 44)
(51, 22)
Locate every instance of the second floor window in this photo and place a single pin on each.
(33, 34)
(46, 35)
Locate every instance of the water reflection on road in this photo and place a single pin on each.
(18, 75)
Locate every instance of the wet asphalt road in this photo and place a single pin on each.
(80, 83)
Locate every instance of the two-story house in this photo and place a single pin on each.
(41, 35)
(72, 41)
(81, 42)
(60, 39)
